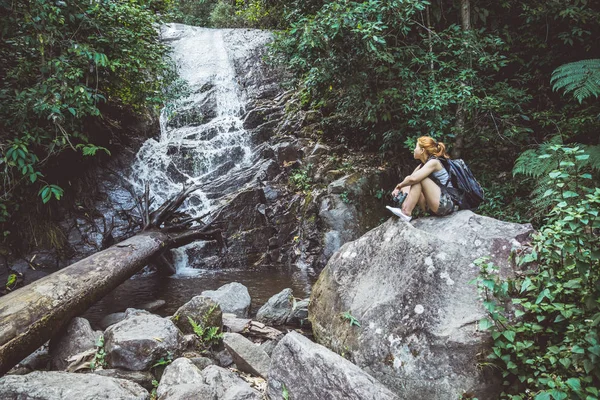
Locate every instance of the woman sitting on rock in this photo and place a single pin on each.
(424, 185)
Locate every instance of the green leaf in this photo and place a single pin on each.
(526, 283)
(543, 396)
(569, 194)
(485, 324)
(509, 335)
(574, 384)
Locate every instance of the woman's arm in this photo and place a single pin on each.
(419, 174)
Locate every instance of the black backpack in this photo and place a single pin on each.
(467, 192)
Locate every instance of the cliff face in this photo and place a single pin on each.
(408, 287)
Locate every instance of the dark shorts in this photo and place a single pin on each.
(446, 205)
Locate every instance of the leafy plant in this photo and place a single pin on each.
(300, 178)
(345, 196)
(541, 165)
(350, 318)
(580, 77)
(208, 335)
(99, 360)
(11, 280)
(284, 392)
(164, 360)
(545, 323)
(153, 393)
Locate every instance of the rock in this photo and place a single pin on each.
(54, 385)
(142, 378)
(152, 305)
(182, 373)
(228, 386)
(277, 309)
(203, 310)
(286, 152)
(111, 319)
(309, 371)
(201, 362)
(408, 286)
(38, 360)
(268, 346)
(140, 340)
(224, 358)
(77, 338)
(247, 356)
(234, 324)
(233, 298)
(299, 313)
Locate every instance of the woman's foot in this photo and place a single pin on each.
(398, 212)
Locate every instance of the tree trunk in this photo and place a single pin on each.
(32, 315)
(465, 19)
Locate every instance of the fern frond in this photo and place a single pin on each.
(531, 165)
(580, 77)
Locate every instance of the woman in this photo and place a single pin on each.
(423, 185)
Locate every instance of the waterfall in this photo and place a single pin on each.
(201, 137)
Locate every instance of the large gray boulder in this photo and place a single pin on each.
(64, 385)
(140, 340)
(233, 298)
(309, 371)
(203, 310)
(76, 338)
(277, 309)
(247, 356)
(408, 287)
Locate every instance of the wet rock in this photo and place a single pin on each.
(153, 305)
(317, 152)
(111, 319)
(232, 298)
(140, 340)
(142, 378)
(182, 379)
(408, 286)
(228, 386)
(77, 338)
(309, 371)
(247, 356)
(203, 310)
(277, 309)
(55, 385)
(299, 313)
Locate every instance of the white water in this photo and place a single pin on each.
(189, 153)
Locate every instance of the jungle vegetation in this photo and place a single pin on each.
(512, 86)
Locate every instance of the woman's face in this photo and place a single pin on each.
(418, 152)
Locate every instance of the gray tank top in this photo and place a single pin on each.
(442, 176)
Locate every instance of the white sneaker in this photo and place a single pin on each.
(398, 212)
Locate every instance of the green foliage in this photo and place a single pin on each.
(63, 65)
(539, 164)
(582, 78)
(345, 196)
(208, 335)
(224, 15)
(164, 360)
(99, 360)
(284, 392)
(153, 393)
(545, 323)
(350, 318)
(300, 178)
(11, 281)
(193, 12)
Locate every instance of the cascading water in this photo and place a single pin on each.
(202, 138)
(203, 135)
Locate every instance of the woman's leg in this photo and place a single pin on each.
(414, 195)
(431, 192)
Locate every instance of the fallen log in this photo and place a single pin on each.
(32, 315)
